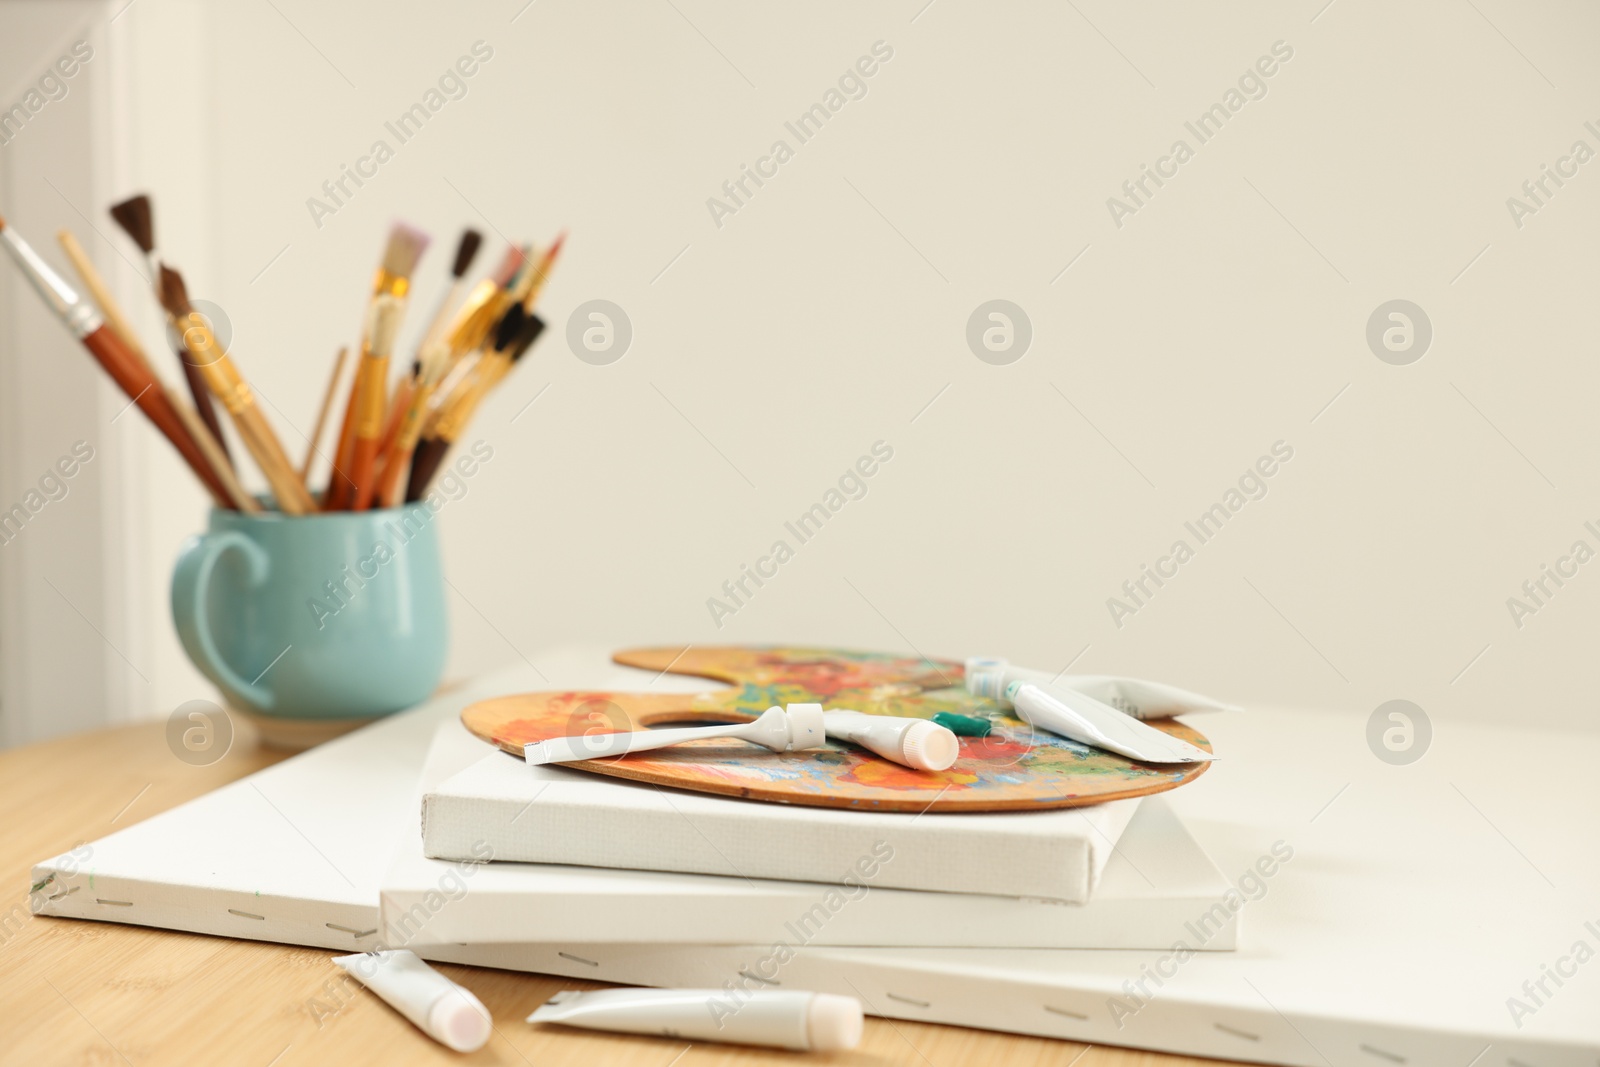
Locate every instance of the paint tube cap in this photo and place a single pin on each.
(987, 682)
(806, 726)
(460, 1021)
(927, 746)
(984, 663)
(833, 1022)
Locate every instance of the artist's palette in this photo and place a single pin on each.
(1015, 767)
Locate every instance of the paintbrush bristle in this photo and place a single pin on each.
(174, 294)
(506, 329)
(466, 252)
(532, 326)
(135, 217)
(510, 263)
(405, 247)
(555, 250)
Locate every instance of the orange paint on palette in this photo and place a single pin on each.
(882, 774)
(1013, 768)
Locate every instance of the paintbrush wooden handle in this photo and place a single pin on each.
(430, 453)
(293, 498)
(341, 490)
(370, 412)
(84, 266)
(219, 460)
(136, 380)
(202, 401)
(229, 386)
(322, 417)
(379, 490)
(363, 464)
(398, 460)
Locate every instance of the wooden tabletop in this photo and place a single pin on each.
(102, 993)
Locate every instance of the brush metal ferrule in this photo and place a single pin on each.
(79, 315)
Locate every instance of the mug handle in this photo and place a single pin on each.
(191, 579)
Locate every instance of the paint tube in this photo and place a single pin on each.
(1131, 696)
(779, 1018)
(441, 1009)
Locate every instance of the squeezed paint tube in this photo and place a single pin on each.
(441, 1009)
(1131, 696)
(778, 1018)
(1082, 718)
(916, 743)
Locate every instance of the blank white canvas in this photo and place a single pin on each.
(1418, 900)
(1156, 880)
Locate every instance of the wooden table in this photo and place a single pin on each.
(101, 993)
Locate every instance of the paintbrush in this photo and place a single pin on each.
(136, 217)
(101, 293)
(523, 288)
(341, 488)
(541, 273)
(411, 406)
(322, 414)
(433, 336)
(131, 374)
(474, 323)
(228, 386)
(238, 498)
(406, 391)
(517, 332)
(473, 328)
(391, 285)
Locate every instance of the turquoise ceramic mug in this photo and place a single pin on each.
(317, 617)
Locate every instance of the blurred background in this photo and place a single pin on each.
(1156, 340)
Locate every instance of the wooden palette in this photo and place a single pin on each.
(1015, 768)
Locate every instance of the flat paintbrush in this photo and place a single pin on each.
(229, 387)
(130, 373)
(137, 219)
(390, 288)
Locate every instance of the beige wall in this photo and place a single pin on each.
(771, 352)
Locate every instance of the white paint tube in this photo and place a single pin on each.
(916, 743)
(1082, 718)
(777, 1018)
(441, 1009)
(1132, 696)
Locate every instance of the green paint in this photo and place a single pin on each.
(964, 725)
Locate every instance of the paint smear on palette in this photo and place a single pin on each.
(1015, 767)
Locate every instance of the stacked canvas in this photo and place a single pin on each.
(1152, 876)
(1404, 929)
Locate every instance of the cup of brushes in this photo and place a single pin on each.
(313, 613)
